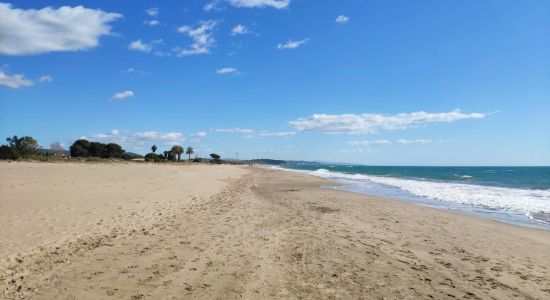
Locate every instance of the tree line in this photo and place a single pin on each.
(27, 147)
(85, 148)
(174, 154)
(19, 147)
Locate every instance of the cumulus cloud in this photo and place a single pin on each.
(366, 143)
(385, 142)
(200, 134)
(166, 137)
(32, 31)
(279, 134)
(227, 70)
(252, 134)
(122, 95)
(14, 81)
(201, 36)
(45, 78)
(151, 22)
(137, 139)
(135, 71)
(211, 6)
(278, 4)
(372, 123)
(341, 19)
(417, 141)
(153, 11)
(239, 29)
(140, 46)
(291, 44)
(233, 130)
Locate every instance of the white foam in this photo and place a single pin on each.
(521, 200)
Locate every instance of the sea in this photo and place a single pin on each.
(516, 195)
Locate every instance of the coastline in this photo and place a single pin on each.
(238, 232)
(521, 207)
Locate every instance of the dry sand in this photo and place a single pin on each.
(133, 231)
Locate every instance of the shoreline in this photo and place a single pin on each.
(506, 217)
(238, 232)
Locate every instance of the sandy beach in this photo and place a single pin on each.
(158, 231)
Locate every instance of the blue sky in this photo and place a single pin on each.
(374, 82)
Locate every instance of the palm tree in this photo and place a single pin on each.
(178, 150)
(154, 148)
(189, 151)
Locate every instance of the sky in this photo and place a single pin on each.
(370, 82)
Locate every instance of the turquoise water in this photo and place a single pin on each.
(518, 195)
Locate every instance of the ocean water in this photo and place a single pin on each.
(517, 195)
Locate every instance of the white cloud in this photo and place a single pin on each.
(252, 134)
(14, 81)
(233, 130)
(418, 141)
(227, 70)
(200, 134)
(202, 38)
(136, 139)
(122, 95)
(151, 22)
(135, 71)
(153, 11)
(386, 142)
(292, 44)
(240, 29)
(372, 123)
(105, 136)
(166, 137)
(366, 143)
(140, 46)
(32, 31)
(279, 134)
(45, 78)
(278, 4)
(342, 19)
(211, 6)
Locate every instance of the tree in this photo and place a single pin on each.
(177, 150)
(84, 148)
(216, 158)
(24, 147)
(96, 149)
(154, 148)
(7, 152)
(80, 148)
(112, 150)
(189, 151)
